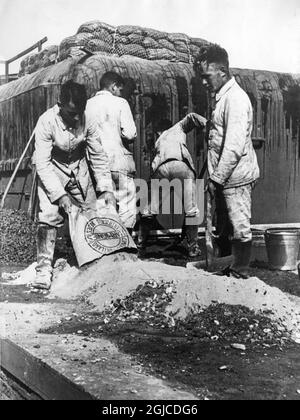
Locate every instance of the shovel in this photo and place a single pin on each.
(209, 232)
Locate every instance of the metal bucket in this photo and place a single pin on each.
(259, 252)
(282, 248)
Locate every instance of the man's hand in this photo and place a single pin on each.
(203, 121)
(198, 120)
(109, 199)
(65, 203)
(212, 188)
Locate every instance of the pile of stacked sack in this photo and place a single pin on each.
(34, 62)
(136, 41)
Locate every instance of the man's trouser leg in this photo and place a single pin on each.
(224, 229)
(192, 213)
(241, 252)
(186, 197)
(147, 217)
(50, 219)
(146, 225)
(46, 238)
(238, 201)
(126, 199)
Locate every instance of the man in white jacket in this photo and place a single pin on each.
(67, 149)
(173, 161)
(232, 162)
(117, 131)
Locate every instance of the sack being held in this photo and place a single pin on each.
(96, 232)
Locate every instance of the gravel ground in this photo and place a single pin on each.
(223, 352)
(17, 238)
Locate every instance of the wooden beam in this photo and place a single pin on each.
(7, 72)
(201, 231)
(37, 376)
(16, 171)
(33, 47)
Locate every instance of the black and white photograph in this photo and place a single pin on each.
(149, 203)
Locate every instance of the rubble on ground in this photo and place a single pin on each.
(18, 239)
(108, 281)
(175, 293)
(184, 326)
(18, 234)
(146, 308)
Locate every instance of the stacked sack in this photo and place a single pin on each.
(145, 43)
(136, 41)
(34, 62)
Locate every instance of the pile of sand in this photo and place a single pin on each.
(117, 276)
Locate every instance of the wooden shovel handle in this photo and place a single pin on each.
(209, 232)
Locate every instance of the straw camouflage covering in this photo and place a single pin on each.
(96, 36)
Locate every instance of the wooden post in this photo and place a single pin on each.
(15, 172)
(209, 232)
(6, 71)
(38, 45)
(209, 201)
(32, 206)
(33, 47)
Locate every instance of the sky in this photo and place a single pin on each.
(258, 34)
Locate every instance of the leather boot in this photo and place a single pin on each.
(241, 252)
(192, 241)
(46, 238)
(223, 246)
(146, 225)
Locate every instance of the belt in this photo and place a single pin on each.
(64, 157)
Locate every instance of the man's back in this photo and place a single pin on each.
(115, 122)
(171, 145)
